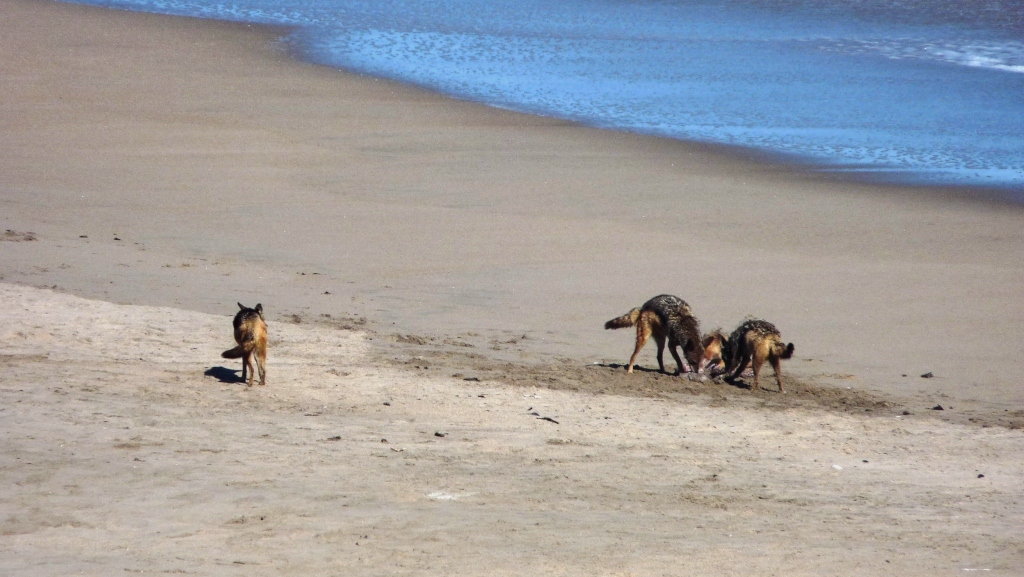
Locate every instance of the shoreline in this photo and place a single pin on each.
(445, 218)
(793, 165)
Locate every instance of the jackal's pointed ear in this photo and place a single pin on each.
(240, 306)
(713, 337)
(259, 309)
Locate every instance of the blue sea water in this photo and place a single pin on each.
(909, 91)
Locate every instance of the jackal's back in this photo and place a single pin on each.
(250, 332)
(676, 316)
(666, 305)
(250, 329)
(755, 331)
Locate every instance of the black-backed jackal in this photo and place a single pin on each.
(664, 316)
(714, 344)
(251, 336)
(755, 341)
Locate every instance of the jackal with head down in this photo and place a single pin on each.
(665, 317)
(754, 342)
(714, 345)
(251, 336)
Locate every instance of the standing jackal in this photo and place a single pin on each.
(251, 336)
(755, 341)
(664, 316)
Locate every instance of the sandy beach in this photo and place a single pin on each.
(434, 273)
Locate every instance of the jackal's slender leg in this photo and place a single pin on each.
(777, 365)
(742, 364)
(660, 340)
(261, 366)
(247, 359)
(643, 331)
(757, 363)
(675, 355)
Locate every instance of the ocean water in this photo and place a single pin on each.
(908, 91)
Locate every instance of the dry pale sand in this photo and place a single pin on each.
(121, 455)
(403, 243)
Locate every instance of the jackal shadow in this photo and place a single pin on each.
(225, 375)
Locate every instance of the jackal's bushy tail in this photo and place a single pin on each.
(627, 320)
(787, 351)
(235, 353)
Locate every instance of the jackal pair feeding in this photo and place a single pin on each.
(251, 336)
(669, 317)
